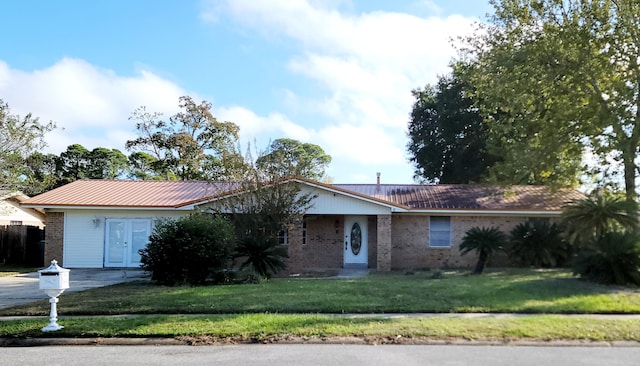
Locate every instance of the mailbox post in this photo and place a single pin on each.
(53, 280)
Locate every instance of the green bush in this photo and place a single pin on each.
(263, 254)
(189, 250)
(538, 243)
(613, 258)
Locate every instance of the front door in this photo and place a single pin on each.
(123, 239)
(355, 242)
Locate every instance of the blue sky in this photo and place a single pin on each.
(336, 73)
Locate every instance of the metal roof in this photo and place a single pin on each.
(127, 193)
(176, 194)
(468, 197)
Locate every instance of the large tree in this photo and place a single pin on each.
(41, 173)
(567, 72)
(192, 145)
(448, 137)
(289, 157)
(19, 137)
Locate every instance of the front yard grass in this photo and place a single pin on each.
(294, 307)
(496, 291)
(12, 270)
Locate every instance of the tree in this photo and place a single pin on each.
(588, 219)
(19, 138)
(103, 163)
(73, 163)
(485, 242)
(41, 171)
(189, 145)
(289, 157)
(448, 136)
(143, 166)
(265, 204)
(567, 72)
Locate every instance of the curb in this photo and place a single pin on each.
(206, 341)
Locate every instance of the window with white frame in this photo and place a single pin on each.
(283, 237)
(440, 231)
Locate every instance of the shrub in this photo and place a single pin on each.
(538, 243)
(263, 254)
(485, 242)
(587, 219)
(189, 250)
(613, 258)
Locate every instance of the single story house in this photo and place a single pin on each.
(103, 223)
(12, 213)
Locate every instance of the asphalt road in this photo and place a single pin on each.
(316, 355)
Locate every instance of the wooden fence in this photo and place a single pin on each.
(22, 245)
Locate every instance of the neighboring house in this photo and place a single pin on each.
(101, 223)
(11, 213)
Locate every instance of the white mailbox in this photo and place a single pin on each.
(53, 280)
(54, 277)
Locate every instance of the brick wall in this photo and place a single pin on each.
(295, 250)
(325, 245)
(407, 247)
(372, 241)
(410, 235)
(54, 234)
(383, 243)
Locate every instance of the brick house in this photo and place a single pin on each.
(102, 223)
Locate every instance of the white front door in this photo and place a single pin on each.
(355, 242)
(123, 239)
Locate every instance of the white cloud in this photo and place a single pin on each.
(366, 64)
(86, 101)
(255, 127)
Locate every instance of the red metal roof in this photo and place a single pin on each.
(127, 193)
(174, 194)
(460, 196)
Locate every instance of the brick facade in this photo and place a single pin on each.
(54, 234)
(295, 249)
(384, 243)
(324, 243)
(410, 235)
(394, 242)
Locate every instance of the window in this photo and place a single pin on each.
(13, 222)
(283, 237)
(440, 231)
(304, 232)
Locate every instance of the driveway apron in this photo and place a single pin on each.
(23, 288)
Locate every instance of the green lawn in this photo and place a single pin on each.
(517, 291)
(293, 308)
(12, 270)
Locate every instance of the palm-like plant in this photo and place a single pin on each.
(612, 258)
(589, 219)
(538, 243)
(263, 254)
(485, 242)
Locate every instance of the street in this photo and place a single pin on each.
(314, 354)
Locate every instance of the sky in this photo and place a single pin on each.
(336, 73)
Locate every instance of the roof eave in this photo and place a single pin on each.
(485, 212)
(110, 207)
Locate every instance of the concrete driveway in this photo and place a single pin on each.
(23, 288)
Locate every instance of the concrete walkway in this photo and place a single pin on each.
(23, 288)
